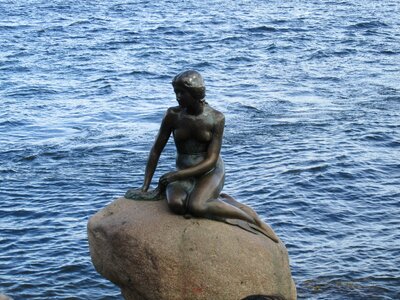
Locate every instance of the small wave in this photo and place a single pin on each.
(13, 123)
(319, 54)
(342, 175)
(344, 52)
(394, 144)
(57, 155)
(361, 288)
(21, 213)
(279, 21)
(249, 108)
(376, 136)
(100, 79)
(372, 32)
(171, 30)
(31, 91)
(9, 62)
(17, 54)
(105, 89)
(313, 169)
(263, 29)
(389, 52)
(54, 155)
(202, 65)
(80, 22)
(14, 27)
(57, 28)
(123, 42)
(118, 8)
(13, 68)
(240, 59)
(29, 157)
(266, 29)
(231, 39)
(139, 73)
(327, 78)
(367, 25)
(7, 171)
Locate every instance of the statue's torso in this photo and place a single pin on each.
(193, 135)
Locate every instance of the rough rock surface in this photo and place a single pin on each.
(151, 253)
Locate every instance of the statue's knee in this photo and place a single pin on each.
(197, 209)
(177, 206)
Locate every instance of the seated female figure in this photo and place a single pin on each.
(194, 188)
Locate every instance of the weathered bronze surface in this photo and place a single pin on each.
(194, 188)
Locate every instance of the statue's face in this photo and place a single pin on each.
(184, 98)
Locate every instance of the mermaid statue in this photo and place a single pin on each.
(194, 188)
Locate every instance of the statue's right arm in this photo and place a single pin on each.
(158, 146)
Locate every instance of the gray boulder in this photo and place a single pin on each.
(151, 253)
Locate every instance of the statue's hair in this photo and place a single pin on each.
(193, 82)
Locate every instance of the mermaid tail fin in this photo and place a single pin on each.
(264, 228)
(251, 228)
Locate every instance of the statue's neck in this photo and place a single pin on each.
(196, 110)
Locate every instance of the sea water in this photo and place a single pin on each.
(311, 95)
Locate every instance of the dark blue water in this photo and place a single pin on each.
(311, 94)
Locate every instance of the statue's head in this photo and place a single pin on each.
(193, 82)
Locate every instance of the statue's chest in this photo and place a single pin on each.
(193, 128)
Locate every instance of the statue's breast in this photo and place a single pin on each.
(200, 135)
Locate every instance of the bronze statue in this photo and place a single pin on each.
(195, 187)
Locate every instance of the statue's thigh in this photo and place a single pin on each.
(207, 187)
(177, 192)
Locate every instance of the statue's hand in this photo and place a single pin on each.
(134, 193)
(140, 195)
(168, 178)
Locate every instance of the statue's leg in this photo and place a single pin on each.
(203, 200)
(232, 201)
(176, 197)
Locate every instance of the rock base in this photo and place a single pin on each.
(151, 253)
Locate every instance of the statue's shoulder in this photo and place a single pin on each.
(218, 116)
(172, 112)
